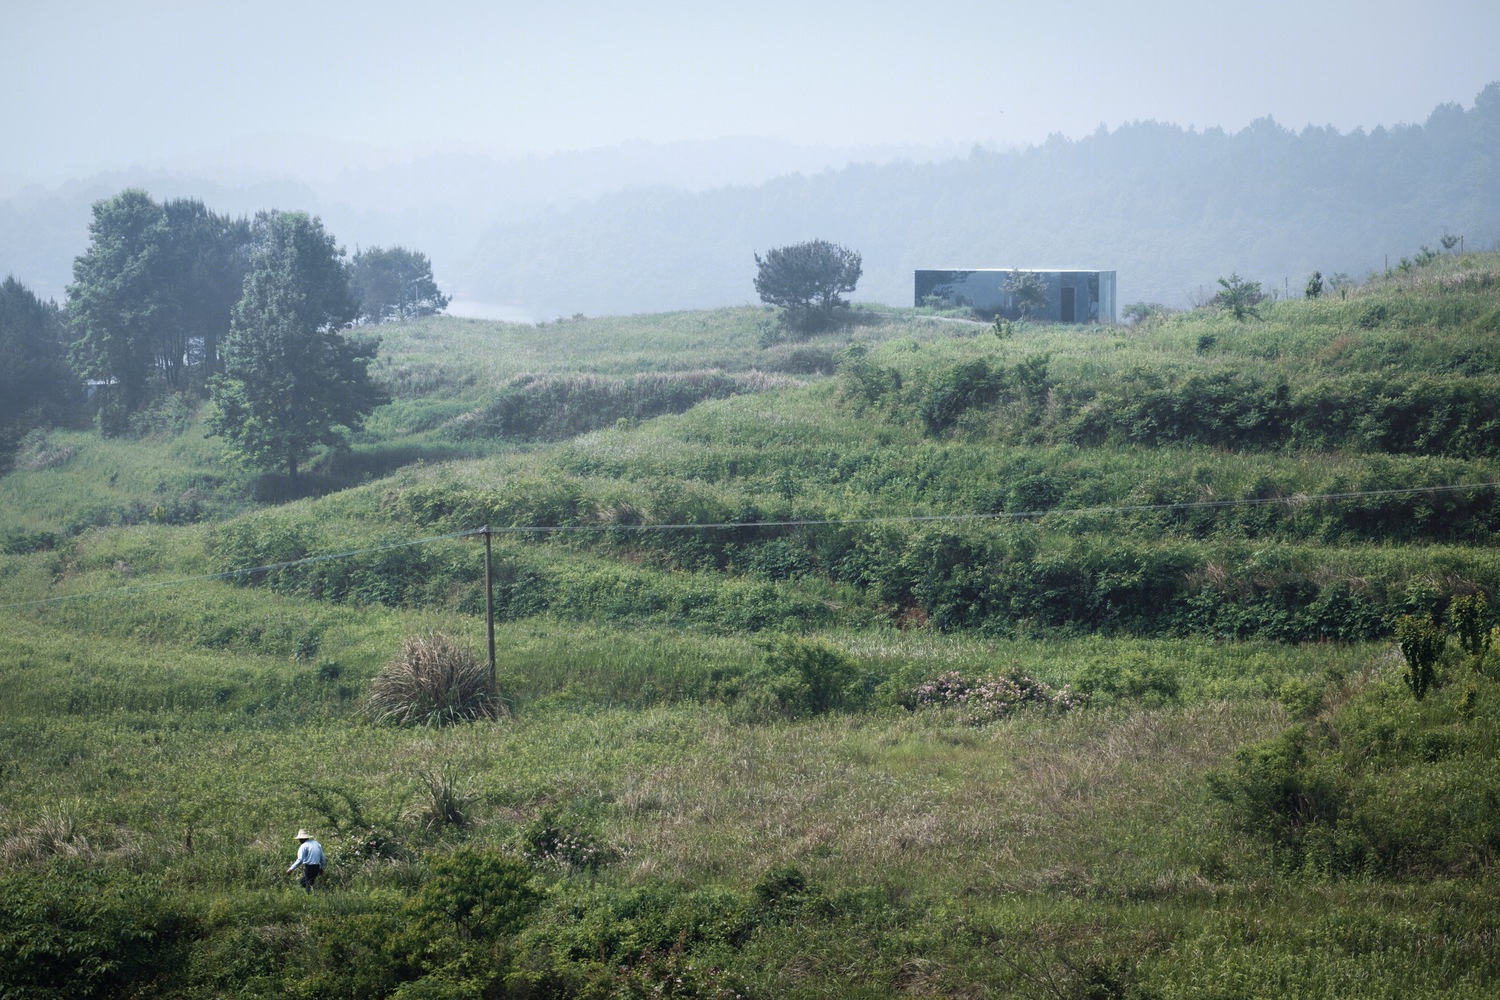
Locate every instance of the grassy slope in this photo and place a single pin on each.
(174, 731)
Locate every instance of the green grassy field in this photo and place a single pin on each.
(903, 660)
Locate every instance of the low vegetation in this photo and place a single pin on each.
(907, 659)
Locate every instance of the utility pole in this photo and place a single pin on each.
(489, 605)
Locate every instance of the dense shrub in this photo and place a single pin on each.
(565, 838)
(976, 385)
(20, 541)
(618, 924)
(1439, 412)
(256, 549)
(528, 583)
(954, 391)
(292, 557)
(673, 972)
(864, 383)
(805, 361)
(797, 678)
(73, 931)
(1282, 791)
(1145, 681)
(473, 895)
(1149, 407)
(1387, 785)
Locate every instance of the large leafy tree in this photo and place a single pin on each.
(292, 380)
(35, 382)
(207, 257)
(394, 284)
(116, 302)
(807, 279)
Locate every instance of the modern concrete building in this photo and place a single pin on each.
(1071, 296)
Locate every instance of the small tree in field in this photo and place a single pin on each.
(1421, 641)
(1239, 296)
(1469, 616)
(1028, 290)
(807, 279)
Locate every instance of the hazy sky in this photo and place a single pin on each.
(102, 85)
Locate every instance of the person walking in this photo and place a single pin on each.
(310, 857)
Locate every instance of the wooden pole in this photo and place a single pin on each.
(489, 604)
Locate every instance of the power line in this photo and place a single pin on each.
(1297, 499)
(1294, 500)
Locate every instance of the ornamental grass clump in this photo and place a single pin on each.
(993, 696)
(436, 680)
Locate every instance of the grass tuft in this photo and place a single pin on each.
(442, 800)
(55, 834)
(436, 680)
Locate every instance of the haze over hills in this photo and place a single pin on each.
(441, 203)
(648, 227)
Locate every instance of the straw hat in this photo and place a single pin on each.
(302, 834)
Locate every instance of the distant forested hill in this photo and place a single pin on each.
(1169, 209)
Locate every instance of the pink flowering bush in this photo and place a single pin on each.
(554, 839)
(992, 696)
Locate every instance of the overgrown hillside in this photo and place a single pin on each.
(923, 658)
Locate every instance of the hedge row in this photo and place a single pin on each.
(996, 578)
(1449, 414)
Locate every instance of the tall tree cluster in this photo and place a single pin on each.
(151, 296)
(35, 382)
(175, 297)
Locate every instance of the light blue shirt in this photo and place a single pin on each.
(310, 853)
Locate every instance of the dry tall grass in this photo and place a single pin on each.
(436, 680)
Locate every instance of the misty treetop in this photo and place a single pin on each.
(394, 284)
(291, 379)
